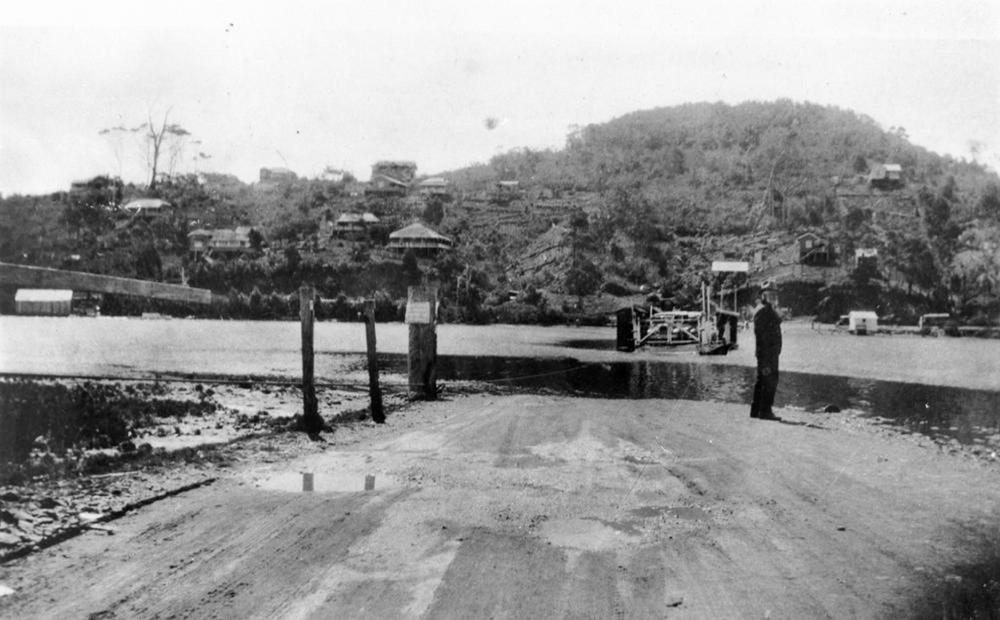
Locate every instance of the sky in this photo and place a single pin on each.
(449, 83)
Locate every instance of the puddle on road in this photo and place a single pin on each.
(326, 482)
(585, 534)
(965, 415)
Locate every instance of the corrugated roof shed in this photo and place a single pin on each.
(417, 231)
(40, 301)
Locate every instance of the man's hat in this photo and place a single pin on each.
(768, 285)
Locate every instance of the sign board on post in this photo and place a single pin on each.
(418, 313)
(421, 306)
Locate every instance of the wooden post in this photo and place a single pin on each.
(375, 393)
(421, 306)
(311, 420)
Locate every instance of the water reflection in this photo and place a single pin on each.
(969, 416)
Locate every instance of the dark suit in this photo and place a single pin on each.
(767, 331)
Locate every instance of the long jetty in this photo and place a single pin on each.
(28, 276)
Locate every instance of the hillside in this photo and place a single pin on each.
(678, 187)
(641, 204)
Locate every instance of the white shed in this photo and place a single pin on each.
(862, 322)
(50, 302)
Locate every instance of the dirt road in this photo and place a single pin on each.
(543, 507)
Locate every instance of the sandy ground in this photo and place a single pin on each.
(527, 506)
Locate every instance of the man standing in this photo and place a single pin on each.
(767, 331)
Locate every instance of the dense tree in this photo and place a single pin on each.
(148, 265)
(433, 211)
(411, 268)
(91, 203)
(989, 202)
(582, 279)
(256, 240)
(976, 269)
(292, 258)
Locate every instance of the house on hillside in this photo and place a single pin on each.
(435, 186)
(99, 191)
(148, 208)
(198, 240)
(277, 175)
(814, 250)
(221, 241)
(354, 225)
(236, 240)
(886, 176)
(384, 185)
(420, 239)
(391, 178)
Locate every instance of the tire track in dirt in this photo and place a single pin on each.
(532, 506)
(238, 557)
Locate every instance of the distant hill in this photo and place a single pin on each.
(638, 206)
(677, 187)
(717, 164)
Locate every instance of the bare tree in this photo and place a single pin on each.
(156, 141)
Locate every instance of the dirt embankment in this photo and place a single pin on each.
(540, 506)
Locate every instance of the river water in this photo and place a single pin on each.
(942, 387)
(969, 416)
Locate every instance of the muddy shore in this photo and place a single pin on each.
(52, 495)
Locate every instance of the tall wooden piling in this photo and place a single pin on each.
(311, 420)
(421, 308)
(374, 391)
